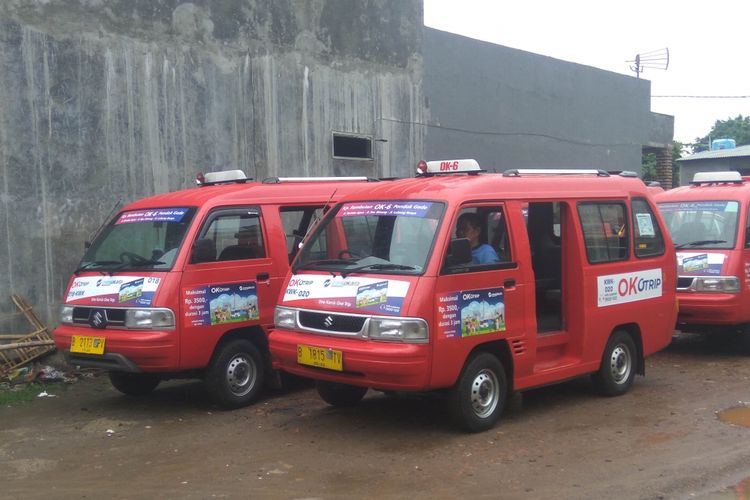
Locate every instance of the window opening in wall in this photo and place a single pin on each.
(352, 146)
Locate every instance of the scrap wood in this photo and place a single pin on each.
(33, 343)
(27, 346)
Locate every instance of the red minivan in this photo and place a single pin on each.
(184, 284)
(710, 227)
(479, 284)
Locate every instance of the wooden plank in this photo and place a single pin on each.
(21, 345)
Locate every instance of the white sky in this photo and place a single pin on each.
(709, 45)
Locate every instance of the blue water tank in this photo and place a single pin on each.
(723, 144)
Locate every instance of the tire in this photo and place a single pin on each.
(337, 394)
(134, 384)
(236, 374)
(480, 395)
(617, 370)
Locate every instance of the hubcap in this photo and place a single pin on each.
(620, 364)
(240, 375)
(485, 393)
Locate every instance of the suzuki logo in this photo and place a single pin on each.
(98, 318)
(328, 321)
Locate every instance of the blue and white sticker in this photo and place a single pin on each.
(615, 289)
(358, 294)
(700, 263)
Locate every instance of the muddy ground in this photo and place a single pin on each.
(664, 439)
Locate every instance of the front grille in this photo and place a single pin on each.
(331, 322)
(684, 282)
(115, 317)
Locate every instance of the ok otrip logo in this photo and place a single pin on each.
(629, 287)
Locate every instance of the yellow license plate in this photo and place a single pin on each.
(87, 345)
(322, 358)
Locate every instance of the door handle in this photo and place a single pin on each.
(509, 283)
(262, 276)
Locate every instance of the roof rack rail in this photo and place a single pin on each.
(281, 180)
(518, 172)
(222, 177)
(731, 177)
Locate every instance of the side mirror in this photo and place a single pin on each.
(204, 250)
(460, 252)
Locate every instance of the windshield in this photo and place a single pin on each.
(384, 237)
(701, 224)
(139, 239)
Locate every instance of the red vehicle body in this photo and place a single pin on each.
(185, 283)
(581, 282)
(709, 224)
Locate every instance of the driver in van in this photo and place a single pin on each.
(469, 226)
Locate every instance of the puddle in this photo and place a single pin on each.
(738, 416)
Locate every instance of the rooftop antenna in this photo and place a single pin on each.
(656, 59)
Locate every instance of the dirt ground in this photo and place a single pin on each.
(664, 439)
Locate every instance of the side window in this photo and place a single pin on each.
(486, 230)
(647, 237)
(296, 221)
(234, 235)
(605, 231)
(747, 231)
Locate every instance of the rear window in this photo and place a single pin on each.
(605, 231)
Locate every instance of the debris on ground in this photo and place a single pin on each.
(19, 350)
(38, 372)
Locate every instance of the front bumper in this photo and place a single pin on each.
(380, 365)
(124, 350)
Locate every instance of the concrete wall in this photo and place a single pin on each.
(689, 168)
(512, 109)
(116, 100)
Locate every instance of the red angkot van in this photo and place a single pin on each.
(479, 284)
(184, 284)
(710, 227)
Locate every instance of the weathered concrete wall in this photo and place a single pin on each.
(116, 100)
(513, 109)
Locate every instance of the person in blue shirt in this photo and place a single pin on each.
(469, 226)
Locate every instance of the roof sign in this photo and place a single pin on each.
(448, 167)
(220, 177)
(709, 177)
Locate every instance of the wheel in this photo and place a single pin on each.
(742, 340)
(480, 395)
(336, 394)
(617, 370)
(236, 374)
(134, 384)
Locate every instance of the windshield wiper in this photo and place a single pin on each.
(146, 262)
(318, 263)
(698, 243)
(377, 267)
(96, 263)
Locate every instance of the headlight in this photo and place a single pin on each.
(66, 314)
(721, 284)
(285, 318)
(398, 329)
(145, 319)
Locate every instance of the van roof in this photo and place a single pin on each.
(707, 191)
(253, 193)
(484, 186)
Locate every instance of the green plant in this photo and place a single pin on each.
(19, 393)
